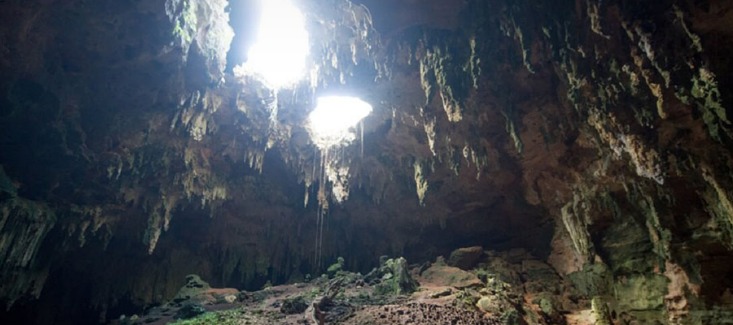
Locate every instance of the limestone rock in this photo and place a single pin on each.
(395, 278)
(218, 296)
(190, 311)
(600, 311)
(641, 292)
(199, 291)
(294, 305)
(465, 258)
(449, 276)
(194, 287)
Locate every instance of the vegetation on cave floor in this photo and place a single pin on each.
(385, 295)
(472, 286)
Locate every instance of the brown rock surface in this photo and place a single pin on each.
(465, 258)
(442, 275)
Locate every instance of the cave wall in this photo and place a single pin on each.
(594, 134)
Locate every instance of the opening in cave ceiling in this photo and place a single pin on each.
(333, 120)
(279, 58)
(281, 48)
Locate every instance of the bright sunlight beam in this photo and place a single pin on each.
(335, 117)
(282, 46)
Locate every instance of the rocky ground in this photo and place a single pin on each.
(471, 287)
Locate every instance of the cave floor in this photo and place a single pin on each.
(508, 289)
(355, 304)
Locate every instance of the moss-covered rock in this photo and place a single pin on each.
(641, 292)
(294, 305)
(395, 278)
(335, 268)
(194, 287)
(595, 279)
(600, 311)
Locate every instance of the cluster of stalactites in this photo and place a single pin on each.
(24, 224)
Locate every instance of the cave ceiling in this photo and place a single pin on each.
(130, 137)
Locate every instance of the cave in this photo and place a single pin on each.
(366, 162)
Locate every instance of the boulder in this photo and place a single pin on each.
(465, 258)
(193, 287)
(199, 291)
(441, 275)
(294, 305)
(395, 277)
(189, 311)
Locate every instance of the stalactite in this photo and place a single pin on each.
(204, 24)
(24, 225)
(719, 203)
(429, 127)
(421, 182)
(576, 225)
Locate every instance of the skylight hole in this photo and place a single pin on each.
(333, 122)
(282, 45)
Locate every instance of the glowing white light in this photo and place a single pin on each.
(281, 48)
(332, 122)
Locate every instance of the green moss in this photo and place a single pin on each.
(695, 42)
(600, 309)
(641, 292)
(659, 236)
(396, 278)
(594, 279)
(719, 205)
(709, 102)
(336, 267)
(628, 247)
(510, 317)
(682, 95)
(185, 24)
(294, 305)
(469, 300)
